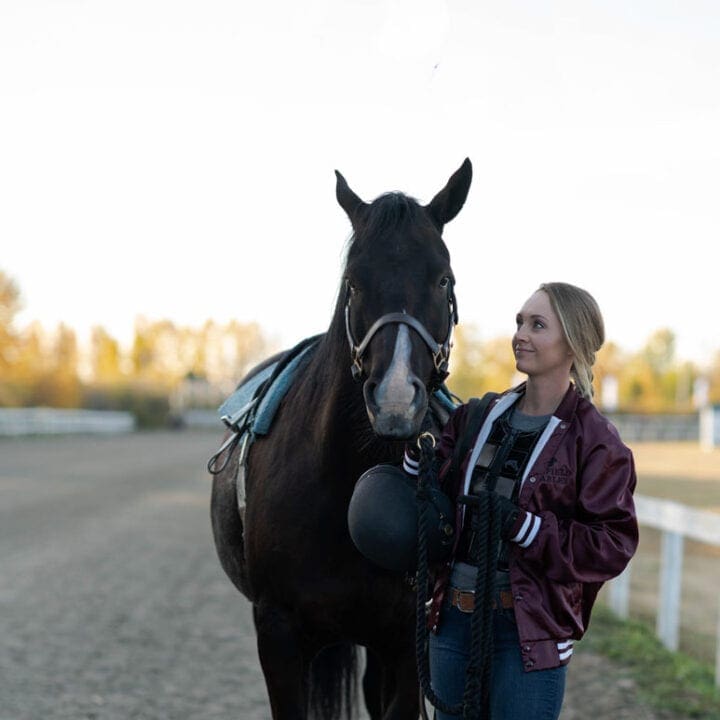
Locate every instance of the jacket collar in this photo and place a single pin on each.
(564, 411)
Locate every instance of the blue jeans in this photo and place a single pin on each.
(514, 693)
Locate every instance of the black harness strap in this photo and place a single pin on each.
(476, 408)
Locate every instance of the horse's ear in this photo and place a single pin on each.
(449, 201)
(348, 200)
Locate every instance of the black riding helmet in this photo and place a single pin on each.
(383, 519)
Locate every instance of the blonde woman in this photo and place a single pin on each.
(565, 482)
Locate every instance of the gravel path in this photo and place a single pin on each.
(113, 604)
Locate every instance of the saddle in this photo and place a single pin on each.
(250, 410)
(253, 405)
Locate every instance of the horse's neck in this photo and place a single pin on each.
(340, 424)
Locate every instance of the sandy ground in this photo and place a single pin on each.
(113, 604)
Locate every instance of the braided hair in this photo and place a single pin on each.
(583, 326)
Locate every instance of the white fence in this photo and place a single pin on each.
(53, 421)
(656, 427)
(710, 427)
(676, 522)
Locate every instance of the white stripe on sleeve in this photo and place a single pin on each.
(565, 649)
(410, 466)
(529, 530)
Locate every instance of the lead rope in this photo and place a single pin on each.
(476, 698)
(477, 683)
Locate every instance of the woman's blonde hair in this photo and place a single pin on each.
(583, 326)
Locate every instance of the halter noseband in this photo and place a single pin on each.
(440, 353)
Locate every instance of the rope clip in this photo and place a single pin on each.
(426, 434)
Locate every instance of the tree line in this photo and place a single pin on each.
(48, 367)
(169, 367)
(650, 380)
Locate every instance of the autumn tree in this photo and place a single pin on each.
(713, 378)
(221, 354)
(57, 384)
(11, 391)
(105, 357)
(198, 365)
(647, 381)
(608, 367)
(33, 354)
(9, 307)
(232, 349)
(477, 367)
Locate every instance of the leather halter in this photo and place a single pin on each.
(440, 352)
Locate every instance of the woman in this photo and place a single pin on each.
(564, 481)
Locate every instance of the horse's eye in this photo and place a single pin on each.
(351, 289)
(445, 282)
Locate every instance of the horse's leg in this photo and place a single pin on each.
(283, 662)
(372, 684)
(400, 691)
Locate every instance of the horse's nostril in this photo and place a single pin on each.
(369, 391)
(421, 398)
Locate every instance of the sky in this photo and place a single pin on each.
(175, 159)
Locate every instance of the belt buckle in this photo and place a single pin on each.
(464, 600)
(505, 599)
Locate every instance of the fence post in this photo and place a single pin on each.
(671, 560)
(620, 594)
(710, 427)
(717, 650)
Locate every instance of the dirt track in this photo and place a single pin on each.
(113, 604)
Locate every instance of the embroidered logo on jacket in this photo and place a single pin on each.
(557, 473)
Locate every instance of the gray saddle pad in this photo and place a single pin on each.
(244, 399)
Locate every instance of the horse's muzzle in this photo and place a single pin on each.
(396, 420)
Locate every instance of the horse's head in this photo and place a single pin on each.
(398, 300)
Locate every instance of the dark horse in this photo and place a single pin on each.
(315, 598)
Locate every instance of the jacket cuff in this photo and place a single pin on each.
(410, 465)
(525, 529)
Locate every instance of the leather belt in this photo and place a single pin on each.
(464, 600)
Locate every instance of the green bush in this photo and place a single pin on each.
(149, 405)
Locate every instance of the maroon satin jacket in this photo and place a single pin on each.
(578, 488)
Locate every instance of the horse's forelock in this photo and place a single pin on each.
(395, 224)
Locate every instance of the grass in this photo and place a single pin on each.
(679, 471)
(667, 681)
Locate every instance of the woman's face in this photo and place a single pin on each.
(539, 343)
